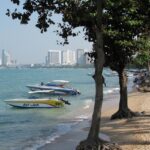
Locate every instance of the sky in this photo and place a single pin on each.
(26, 44)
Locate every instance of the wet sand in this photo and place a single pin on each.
(130, 134)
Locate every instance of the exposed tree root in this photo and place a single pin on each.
(122, 114)
(97, 145)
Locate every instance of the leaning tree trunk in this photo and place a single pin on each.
(124, 111)
(98, 64)
(96, 118)
(93, 142)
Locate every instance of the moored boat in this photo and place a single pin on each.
(60, 83)
(36, 103)
(69, 91)
(41, 92)
(47, 92)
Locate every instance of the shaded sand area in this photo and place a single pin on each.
(134, 133)
(130, 134)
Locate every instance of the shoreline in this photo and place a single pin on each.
(128, 133)
(79, 131)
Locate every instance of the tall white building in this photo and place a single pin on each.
(54, 57)
(6, 59)
(80, 56)
(46, 60)
(68, 57)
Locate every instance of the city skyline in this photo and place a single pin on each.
(66, 57)
(26, 43)
(53, 58)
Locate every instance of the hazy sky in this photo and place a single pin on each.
(25, 43)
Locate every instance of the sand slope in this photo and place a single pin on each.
(134, 133)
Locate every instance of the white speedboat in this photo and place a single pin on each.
(110, 74)
(36, 103)
(90, 74)
(67, 91)
(41, 92)
(47, 92)
(59, 83)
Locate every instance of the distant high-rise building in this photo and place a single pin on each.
(6, 59)
(68, 57)
(54, 57)
(46, 60)
(80, 56)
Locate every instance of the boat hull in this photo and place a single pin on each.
(59, 83)
(68, 91)
(46, 92)
(35, 103)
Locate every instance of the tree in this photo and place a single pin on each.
(124, 22)
(75, 13)
(88, 14)
(144, 40)
(143, 56)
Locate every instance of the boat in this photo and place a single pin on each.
(59, 83)
(37, 103)
(47, 92)
(41, 92)
(90, 74)
(68, 91)
(110, 74)
(130, 75)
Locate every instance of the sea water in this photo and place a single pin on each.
(29, 129)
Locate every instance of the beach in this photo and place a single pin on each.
(130, 134)
(134, 133)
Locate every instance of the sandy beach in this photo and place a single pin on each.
(130, 134)
(134, 133)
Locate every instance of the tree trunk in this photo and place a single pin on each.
(123, 105)
(98, 64)
(124, 111)
(93, 136)
(96, 118)
(93, 142)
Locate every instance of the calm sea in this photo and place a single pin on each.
(28, 129)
